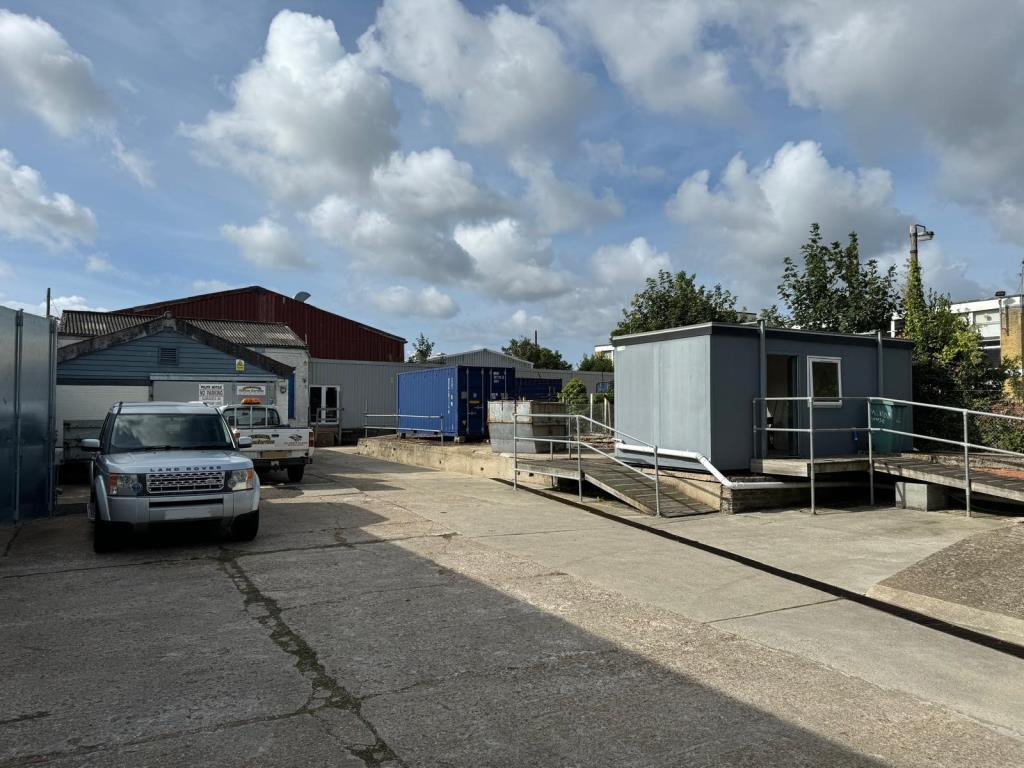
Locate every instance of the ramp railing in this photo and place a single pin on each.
(397, 427)
(574, 439)
(760, 416)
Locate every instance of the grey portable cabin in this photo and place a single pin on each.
(693, 389)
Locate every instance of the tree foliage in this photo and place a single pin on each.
(597, 363)
(541, 357)
(673, 300)
(422, 349)
(833, 291)
(573, 393)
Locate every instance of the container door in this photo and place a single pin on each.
(475, 404)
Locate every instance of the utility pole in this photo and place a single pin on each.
(913, 299)
(918, 232)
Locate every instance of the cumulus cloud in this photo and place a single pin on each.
(41, 74)
(509, 262)
(211, 286)
(307, 118)
(628, 264)
(610, 157)
(559, 205)
(99, 265)
(57, 305)
(266, 243)
(27, 212)
(753, 218)
(503, 76)
(955, 82)
(428, 302)
(656, 50)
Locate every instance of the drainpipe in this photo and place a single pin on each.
(763, 382)
(19, 330)
(881, 366)
(51, 421)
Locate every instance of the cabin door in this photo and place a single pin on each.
(782, 383)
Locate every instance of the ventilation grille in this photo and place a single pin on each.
(168, 356)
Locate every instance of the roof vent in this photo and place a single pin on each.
(301, 296)
(168, 356)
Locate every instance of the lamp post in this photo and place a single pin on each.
(918, 233)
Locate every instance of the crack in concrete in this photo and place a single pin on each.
(23, 718)
(110, 566)
(325, 692)
(774, 610)
(10, 541)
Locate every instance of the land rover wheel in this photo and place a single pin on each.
(105, 536)
(246, 526)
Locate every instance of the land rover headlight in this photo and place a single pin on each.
(240, 480)
(124, 485)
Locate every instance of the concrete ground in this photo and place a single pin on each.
(389, 615)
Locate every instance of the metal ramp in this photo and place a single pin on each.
(638, 490)
(981, 480)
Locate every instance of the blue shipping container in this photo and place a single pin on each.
(537, 389)
(458, 394)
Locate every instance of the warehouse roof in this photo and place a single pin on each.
(244, 332)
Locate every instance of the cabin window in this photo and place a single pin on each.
(825, 381)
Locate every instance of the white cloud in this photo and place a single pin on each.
(755, 217)
(502, 76)
(509, 262)
(211, 286)
(428, 302)
(610, 157)
(938, 70)
(266, 243)
(41, 74)
(27, 212)
(522, 323)
(629, 264)
(57, 305)
(98, 264)
(656, 50)
(307, 118)
(559, 205)
(430, 185)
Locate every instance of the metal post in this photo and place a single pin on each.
(871, 456)
(440, 422)
(967, 467)
(579, 456)
(515, 450)
(657, 484)
(19, 327)
(756, 435)
(810, 435)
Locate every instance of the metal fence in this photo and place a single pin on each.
(760, 426)
(28, 427)
(398, 429)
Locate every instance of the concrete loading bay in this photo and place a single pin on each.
(393, 615)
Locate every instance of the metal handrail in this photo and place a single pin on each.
(966, 444)
(580, 444)
(398, 429)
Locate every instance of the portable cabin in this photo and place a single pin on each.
(693, 389)
(458, 394)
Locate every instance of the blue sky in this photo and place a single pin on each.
(476, 172)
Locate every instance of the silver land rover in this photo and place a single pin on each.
(168, 462)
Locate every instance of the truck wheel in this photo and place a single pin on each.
(105, 536)
(295, 474)
(246, 526)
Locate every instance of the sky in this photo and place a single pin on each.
(477, 172)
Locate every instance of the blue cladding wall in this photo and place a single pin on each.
(537, 389)
(139, 358)
(459, 394)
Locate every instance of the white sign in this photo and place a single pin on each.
(212, 394)
(251, 389)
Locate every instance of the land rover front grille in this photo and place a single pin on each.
(183, 482)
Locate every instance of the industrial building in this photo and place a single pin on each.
(163, 358)
(595, 381)
(328, 336)
(693, 389)
(28, 349)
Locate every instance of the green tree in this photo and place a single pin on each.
(672, 300)
(573, 393)
(597, 363)
(541, 357)
(422, 348)
(834, 291)
(915, 308)
(773, 317)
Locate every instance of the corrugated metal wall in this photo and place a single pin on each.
(365, 387)
(328, 335)
(28, 349)
(485, 357)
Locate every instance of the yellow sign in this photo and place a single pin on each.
(239, 366)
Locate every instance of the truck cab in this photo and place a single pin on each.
(158, 463)
(275, 444)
